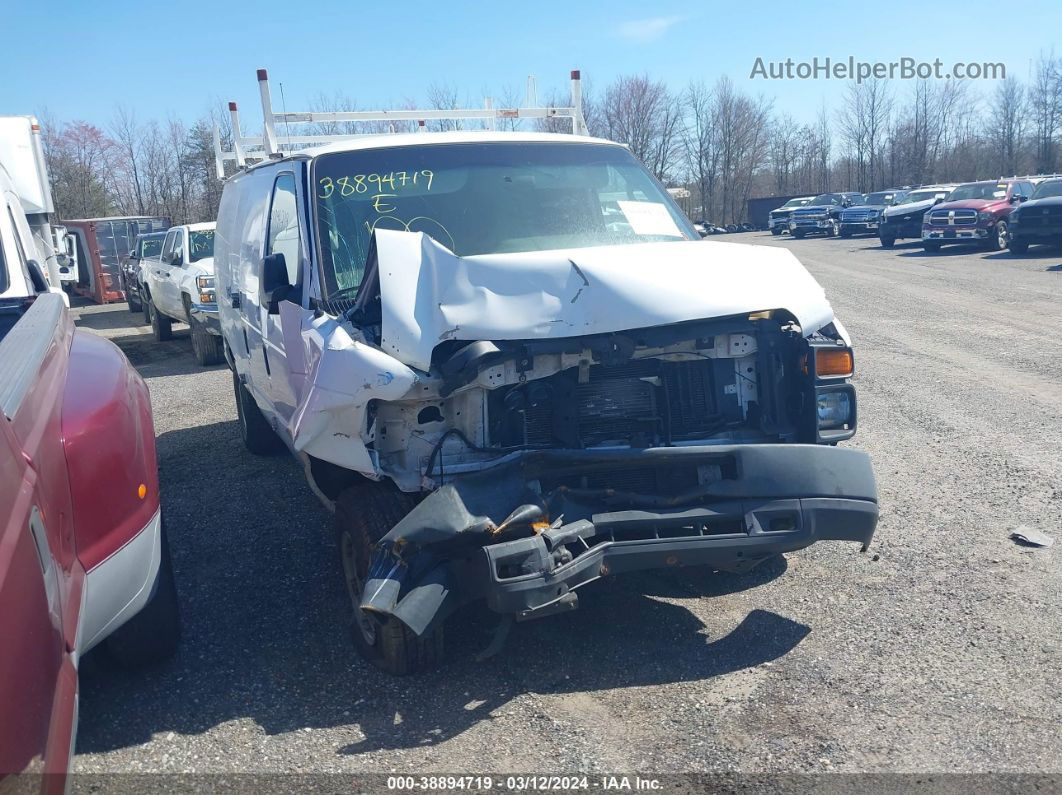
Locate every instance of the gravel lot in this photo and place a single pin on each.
(938, 650)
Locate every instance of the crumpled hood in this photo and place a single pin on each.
(429, 295)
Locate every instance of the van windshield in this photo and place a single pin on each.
(151, 247)
(488, 198)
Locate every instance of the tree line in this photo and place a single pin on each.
(722, 144)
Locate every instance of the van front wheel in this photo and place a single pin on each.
(257, 434)
(364, 514)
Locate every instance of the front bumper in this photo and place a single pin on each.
(782, 221)
(956, 234)
(744, 504)
(816, 225)
(1026, 233)
(901, 229)
(207, 315)
(856, 227)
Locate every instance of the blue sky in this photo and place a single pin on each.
(177, 59)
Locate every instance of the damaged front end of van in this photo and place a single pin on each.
(575, 414)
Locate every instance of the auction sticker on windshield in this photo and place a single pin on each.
(649, 218)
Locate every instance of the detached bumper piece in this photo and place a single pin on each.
(526, 534)
(529, 577)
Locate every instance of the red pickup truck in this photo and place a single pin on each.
(83, 555)
(977, 212)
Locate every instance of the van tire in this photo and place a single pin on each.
(161, 326)
(887, 242)
(257, 434)
(153, 634)
(931, 248)
(206, 347)
(364, 514)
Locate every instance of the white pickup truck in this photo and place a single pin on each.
(179, 287)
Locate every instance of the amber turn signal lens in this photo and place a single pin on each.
(142, 491)
(833, 363)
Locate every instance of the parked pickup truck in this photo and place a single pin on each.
(501, 402)
(864, 218)
(904, 218)
(778, 219)
(147, 247)
(179, 287)
(977, 212)
(1039, 220)
(83, 555)
(822, 215)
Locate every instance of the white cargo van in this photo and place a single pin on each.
(511, 367)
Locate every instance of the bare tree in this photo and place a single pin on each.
(1046, 101)
(126, 134)
(642, 114)
(442, 96)
(699, 140)
(1006, 129)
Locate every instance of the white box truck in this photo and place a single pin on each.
(22, 157)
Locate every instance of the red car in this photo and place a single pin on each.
(976, 212)
(83, 555)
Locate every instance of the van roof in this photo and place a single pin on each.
(390, 140)
(201, 226)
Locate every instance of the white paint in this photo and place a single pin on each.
(428, 294)
(334, 378)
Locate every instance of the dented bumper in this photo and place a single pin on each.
(526, 534)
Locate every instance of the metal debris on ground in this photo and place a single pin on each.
(1030, 537)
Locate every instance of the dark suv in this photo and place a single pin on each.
(147, 245)
(822, 215)
(1039, 220)
(977, 212)
(904, 217)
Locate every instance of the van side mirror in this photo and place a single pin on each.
(176, 259)
(1020, 197)
(36, 274)
(938, 200)
(275, 284)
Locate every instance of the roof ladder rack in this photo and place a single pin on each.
(271, 145)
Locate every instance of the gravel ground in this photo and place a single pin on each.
(939, 650)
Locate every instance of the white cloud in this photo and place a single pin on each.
(645, 30)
